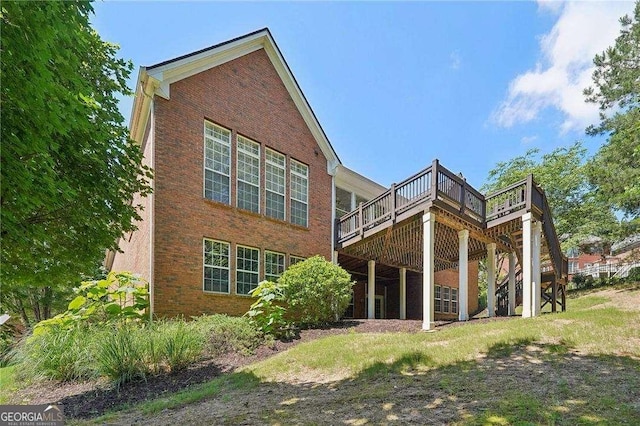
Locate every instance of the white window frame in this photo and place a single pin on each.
(454, 300)
(238, 246)
(306, 177)
(205, 168)
(446, 298)
(266, 264)
(282, 167)
(205, 265)
(297, 259)
(240, 151)
(437, 298)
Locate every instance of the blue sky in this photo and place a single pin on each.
(395, 85)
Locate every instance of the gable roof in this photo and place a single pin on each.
(156, 80)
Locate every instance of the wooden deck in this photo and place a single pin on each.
(388, 229)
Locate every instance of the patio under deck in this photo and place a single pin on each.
(435, 220)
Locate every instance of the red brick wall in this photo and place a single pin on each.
(136, 245)
(247, 97)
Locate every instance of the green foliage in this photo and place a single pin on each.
(223, 333)
(69, 170)
(615, 169)
(120, 297)
(634, 274)
(267, 312)
(58, 354)
(316, 291)
(577, 212)
(120, 354)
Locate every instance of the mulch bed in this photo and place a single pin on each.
(91, 399)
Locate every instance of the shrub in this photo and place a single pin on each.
(223, 333)
(58, 354)
(634, 274)
(267, 313)
(180, 343)
(316, 291)
(120, 355)
(120, 297)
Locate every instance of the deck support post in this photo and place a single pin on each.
(554, 295)
(536, 286)
(428, 257)
(463, 274)
(371, 290)
(403, 293)
(526, 265)
(491, 279)
(512, 284)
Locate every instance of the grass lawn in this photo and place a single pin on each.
(577, 367)
(7, 383)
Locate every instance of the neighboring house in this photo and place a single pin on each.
(247, 183)
(624, 256)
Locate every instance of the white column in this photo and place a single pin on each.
(536, 272)
(526, 266)
(428, 256)
(403, 293)
(463, 275)
(335, 257)
(512, 283)
(371, 289)
(491, 279)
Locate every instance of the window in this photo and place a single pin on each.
(216, 266)
(573, 266)
(454, 300)
(437, 299)
(248, 174)
(247, 269)
(445, 299)
(273, 265)
(295, 259)
(343, 202)
(275, 169)
(299, 193)
(217, 163)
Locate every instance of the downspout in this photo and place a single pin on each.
(334, 255)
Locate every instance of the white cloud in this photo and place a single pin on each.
(456, 60)
(528, 140)
(564, 70)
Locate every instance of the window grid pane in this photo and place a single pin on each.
(437, 299)
(247, 269)
(295, 259)
(454, 300)
(299, 193)
(248, 175)
(275, 182)
(217, 163)
(216, 266)
(445, 299)
(273, 265)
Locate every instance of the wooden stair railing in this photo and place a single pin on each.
(502, 294)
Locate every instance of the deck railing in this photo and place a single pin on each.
(437, 183)
(401, 197)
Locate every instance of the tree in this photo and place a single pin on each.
(69, 170)
(577, 213)
(615, 168)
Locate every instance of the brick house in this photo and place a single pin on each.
(247, 183)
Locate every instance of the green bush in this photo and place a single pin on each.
(181, 343)
(316, 291)
(267, 312)
(634, 274)
(58, 354)
(120, 355)
(223, 333)
(121, 297)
